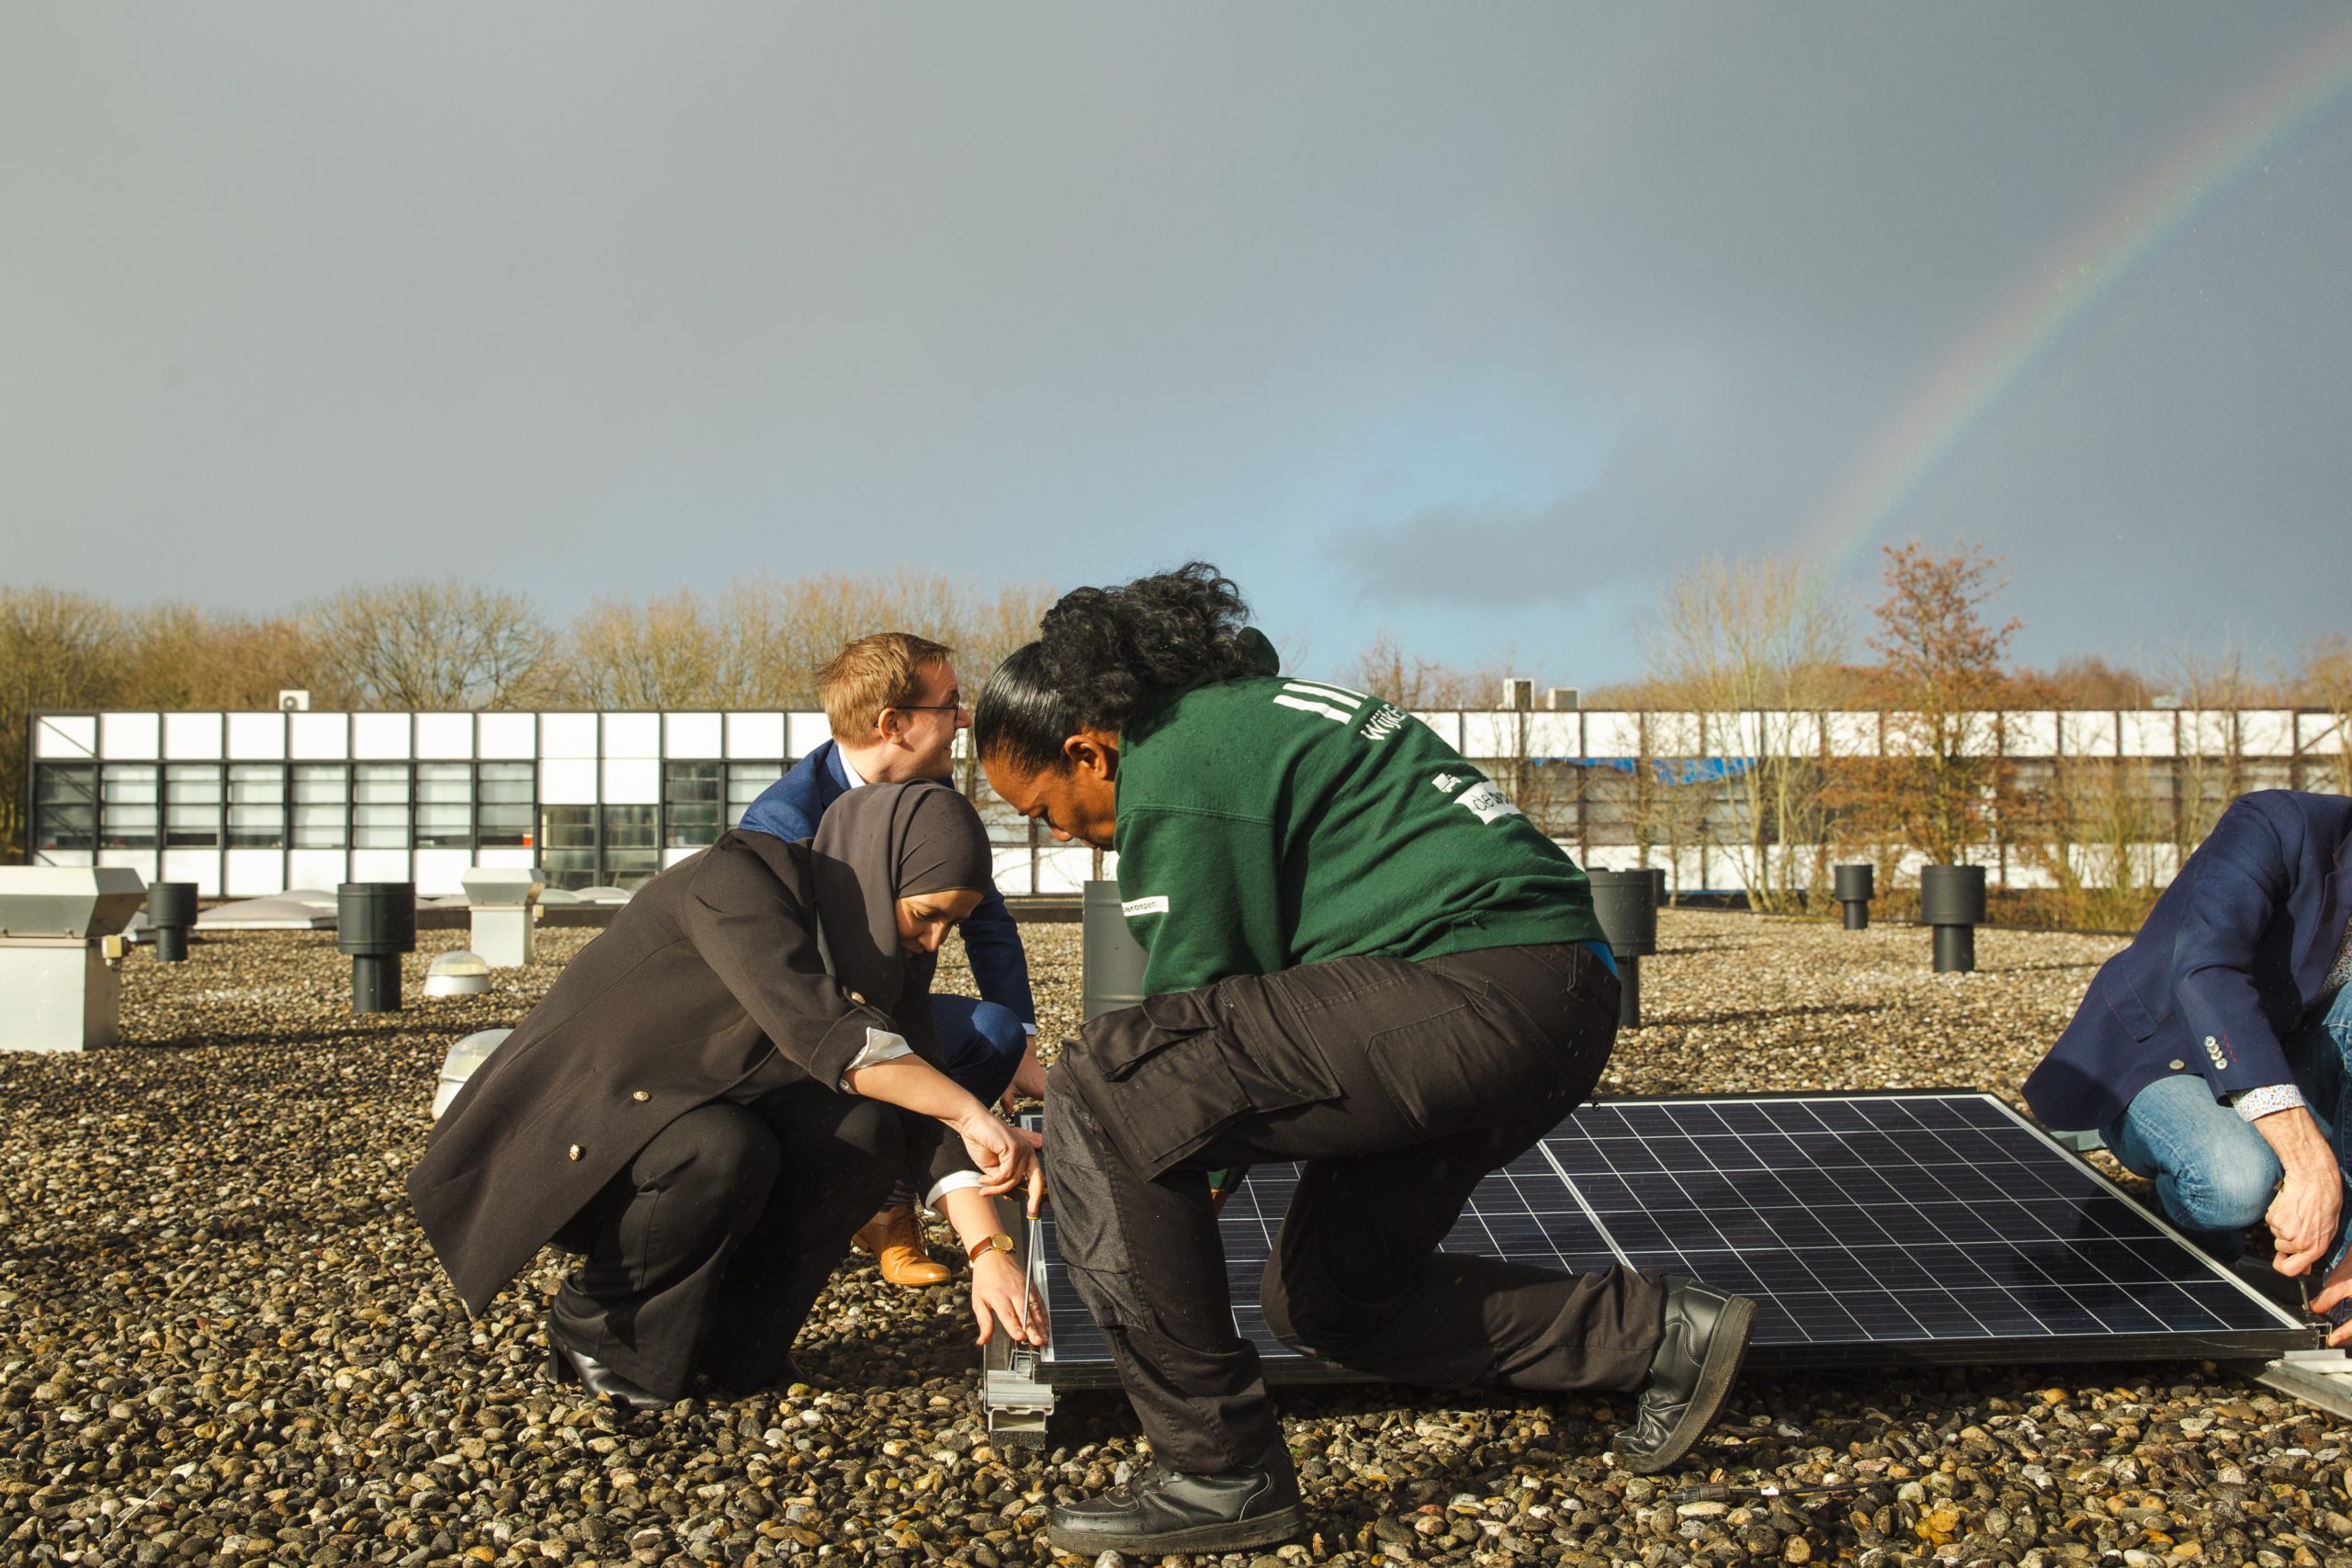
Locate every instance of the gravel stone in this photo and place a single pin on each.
(223, 1340)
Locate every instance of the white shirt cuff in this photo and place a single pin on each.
(2269, 1100)
(953, 1182)
(881, 1045)
(1030, 1030)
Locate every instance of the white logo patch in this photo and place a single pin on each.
(1446, 783)
(1155, 905)
(1487, 803)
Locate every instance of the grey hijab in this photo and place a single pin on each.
(876, 845)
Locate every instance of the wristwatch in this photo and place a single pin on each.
(999, 1242)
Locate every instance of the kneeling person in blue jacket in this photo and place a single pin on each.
(2210, 1054)
(894, 704)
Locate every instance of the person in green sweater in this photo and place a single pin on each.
(1361, 956)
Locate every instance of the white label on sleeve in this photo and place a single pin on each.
(1155, 905)
(1488, 803)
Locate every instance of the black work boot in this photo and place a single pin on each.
(1167, 1510)
(569, 1366)
(1691, 1375)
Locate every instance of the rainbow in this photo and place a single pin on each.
(2034, 322)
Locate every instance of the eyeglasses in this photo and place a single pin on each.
(930, 708)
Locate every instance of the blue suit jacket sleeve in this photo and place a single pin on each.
(790, 806)
(2242, 877)
(992, 943)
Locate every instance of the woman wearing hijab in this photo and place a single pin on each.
(1359, 956)
(719, 1090)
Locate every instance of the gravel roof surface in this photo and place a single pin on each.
(223, 1339)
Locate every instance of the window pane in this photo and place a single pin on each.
(567, 845)
(505, 791)
(380, 805)
(65, 807)
(445, 806)
(632, 846)
(256, 806)
(322, 806)
(744, 782)
(192, 807)
(130, 814)
(690, 805)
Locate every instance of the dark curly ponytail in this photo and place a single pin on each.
(1106, 658)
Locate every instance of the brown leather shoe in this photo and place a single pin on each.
(894, 1238)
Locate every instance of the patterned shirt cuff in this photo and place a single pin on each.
(955, 1180)
(881, 1045)
(2269, 1100)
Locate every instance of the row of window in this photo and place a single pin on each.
(268, 805)
(82, 808)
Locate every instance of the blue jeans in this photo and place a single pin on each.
(981, 1043)
(2215, 1174)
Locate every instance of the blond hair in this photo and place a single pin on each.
(884, 670)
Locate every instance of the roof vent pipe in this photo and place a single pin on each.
(1625, 902)
(1112, 961)
(1855, 885)
(171, 910)
(1951, 899)
(375, 922)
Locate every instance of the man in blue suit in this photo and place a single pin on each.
(894, 705)
(2211, 1052)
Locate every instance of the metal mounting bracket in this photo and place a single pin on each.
(1014, 1399)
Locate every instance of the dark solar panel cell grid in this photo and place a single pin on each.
(1889, 1228)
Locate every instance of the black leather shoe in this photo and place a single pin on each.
(568, 1365)
(1167, 1511)
(1691, 1375)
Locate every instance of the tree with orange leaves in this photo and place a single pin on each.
(1944, 674)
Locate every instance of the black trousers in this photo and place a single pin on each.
(1401, 1084)
(706, 1253)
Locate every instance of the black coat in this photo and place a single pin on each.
(702, 982)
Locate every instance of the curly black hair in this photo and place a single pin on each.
(1108, 658)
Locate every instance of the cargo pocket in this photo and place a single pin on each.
(1172, 1076)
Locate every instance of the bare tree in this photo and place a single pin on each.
(1385, 670)
(2326, 684)
(996, 623)
(1749, 643)
(662, 654)
(57, 650)
(176, 656)
(2210, 770)
(1944, 672)
(438, 645)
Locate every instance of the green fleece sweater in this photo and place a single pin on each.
(1268, 822)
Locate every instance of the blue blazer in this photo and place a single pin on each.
(789, 809)
(2229, 963)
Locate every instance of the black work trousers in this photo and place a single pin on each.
(1401, 1084)
(709, 1248)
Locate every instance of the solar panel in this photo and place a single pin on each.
(1870, 1229)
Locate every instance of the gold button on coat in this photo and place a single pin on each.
(2178, 1064)
(574, 1152)
(858, 1000)
(642, 1095)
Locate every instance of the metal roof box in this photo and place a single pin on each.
(496, 885)
(68, 901)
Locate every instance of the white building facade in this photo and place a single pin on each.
(251, 804)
